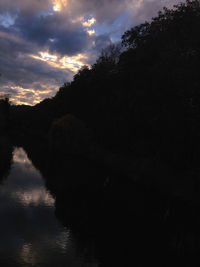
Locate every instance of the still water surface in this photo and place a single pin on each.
(30, 233)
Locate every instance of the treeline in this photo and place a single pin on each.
(140, 99)
(4, 113)
(5, 145)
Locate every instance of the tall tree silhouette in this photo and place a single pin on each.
(144, 100)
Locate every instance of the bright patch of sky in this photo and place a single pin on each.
(73, 63)
(58, 5)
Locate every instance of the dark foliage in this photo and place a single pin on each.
(142, 101)
(4, 113)
(5, 145)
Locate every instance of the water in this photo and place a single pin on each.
(132, 227)
(30, 233)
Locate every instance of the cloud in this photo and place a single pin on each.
(143, 10)
(23, 6)
(89, 23)
(73, 63)
(91, 32)
(20, 73)
(56, 31)
(59, 4)
(105, 11)
(43, 43)
(30, 75)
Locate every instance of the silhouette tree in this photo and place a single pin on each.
(142, 99)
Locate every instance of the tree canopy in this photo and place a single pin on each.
(143, 99)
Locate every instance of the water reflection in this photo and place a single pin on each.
(30, 233)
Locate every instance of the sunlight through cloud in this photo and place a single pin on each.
(89, 22)
(59, 4)
(91, 32)
(69, 63)
(25, 96)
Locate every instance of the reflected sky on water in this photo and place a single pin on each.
(30, 233)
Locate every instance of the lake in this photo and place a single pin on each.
(31, 234)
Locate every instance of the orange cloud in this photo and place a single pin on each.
(58, 5)
(28, 96)
(91, 32)
(89, 23)
(73, 63)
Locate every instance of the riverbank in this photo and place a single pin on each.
(5, 155)
(132, 202)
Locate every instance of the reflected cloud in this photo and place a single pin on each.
(30, 195)
(29, 228)
(63, 240)
(19, 156)
(27, 255)
(35, 197)
(30, 233)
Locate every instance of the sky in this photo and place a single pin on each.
(43, 43)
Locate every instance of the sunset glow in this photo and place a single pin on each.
(33, 98)
(89, 23)
(59, 4)
(68, 63)
(91, 32)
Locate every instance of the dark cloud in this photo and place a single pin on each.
(19, 70)
(102, 41)
(70, 43)
(56, 31)
(103, 10)
(24, 6)
(108, 11)
(149, 8)
(28, 28)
